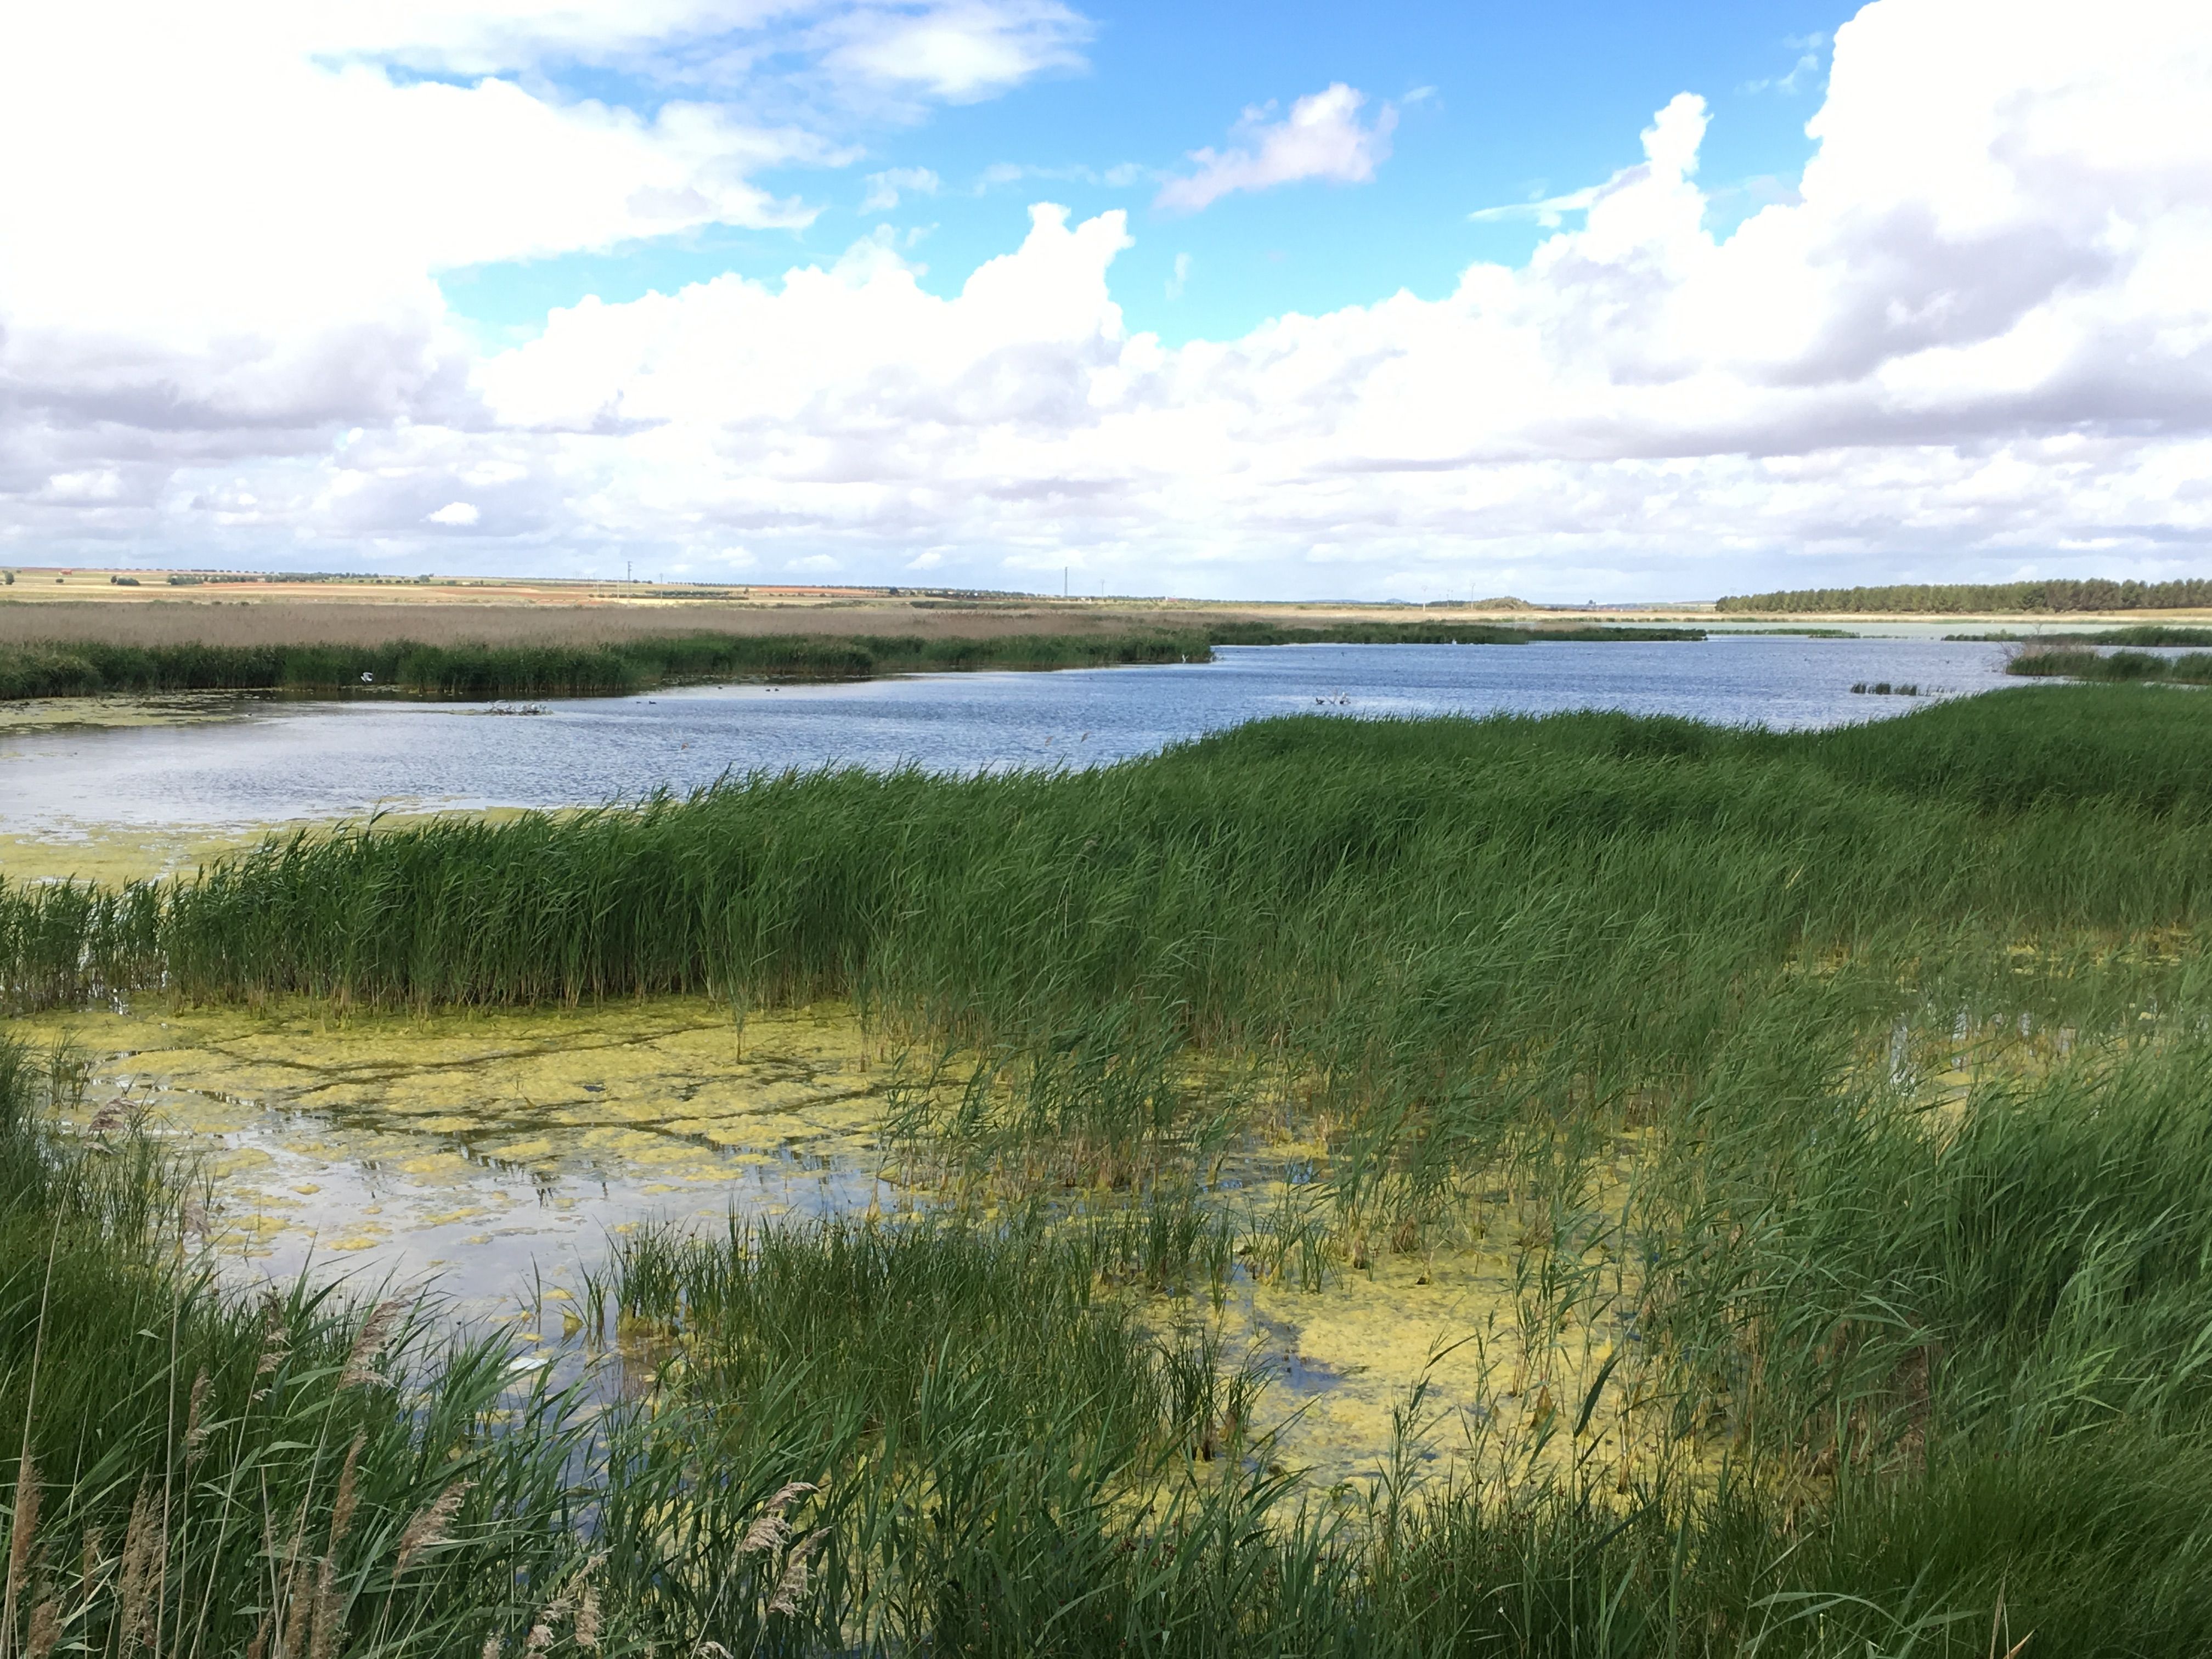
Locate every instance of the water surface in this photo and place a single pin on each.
(269, 761)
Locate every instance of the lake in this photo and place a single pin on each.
(246, 761)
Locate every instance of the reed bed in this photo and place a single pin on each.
(2085, 663)
(1848, 1087)
(616, 668)
(2140, 633)
(621, 666)
(193, 1472)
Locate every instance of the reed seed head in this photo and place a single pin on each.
(138, 1542)
(196, 1429)
(587, 1620)
(24, 1530)
(46, 1631)
(432, 1525)
(330, 1615)
(793, 1584)
(769, 1531)
(348, 1495)
(300, 1606)
(375, 1331)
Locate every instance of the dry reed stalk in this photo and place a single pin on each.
(431, 1525)
(374, 1334)
(89, 1565)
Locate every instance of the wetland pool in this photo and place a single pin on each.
(495, 1156)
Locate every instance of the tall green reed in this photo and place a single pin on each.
(192, 1471)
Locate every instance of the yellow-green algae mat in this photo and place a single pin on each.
(489, 1154)
(475, 1148)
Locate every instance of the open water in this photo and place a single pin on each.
(266, 760)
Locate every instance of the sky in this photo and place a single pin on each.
(1599, 301)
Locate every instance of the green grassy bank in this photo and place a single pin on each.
(1852, 1084)
(622, 667)
(2140, 633)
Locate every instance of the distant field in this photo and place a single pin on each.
(320, 620)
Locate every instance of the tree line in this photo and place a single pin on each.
(2094, 594)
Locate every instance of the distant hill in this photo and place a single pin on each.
(1954, 598)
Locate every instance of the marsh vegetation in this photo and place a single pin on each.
(2086, 662)
(630, 663)
(1832, 1105)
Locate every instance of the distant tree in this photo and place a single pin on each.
(1952, 597)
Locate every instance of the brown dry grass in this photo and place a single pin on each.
(513, 615)
(358, 621)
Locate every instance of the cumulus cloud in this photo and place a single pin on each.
(455, 513)
(1977, 339)
(1321, 138)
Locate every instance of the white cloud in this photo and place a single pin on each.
(1977, 337)
(1181, 275)
(1321, 138)
(455, 513)
(961, 51)
(886, 188)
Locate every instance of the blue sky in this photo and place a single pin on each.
(1497, 104)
